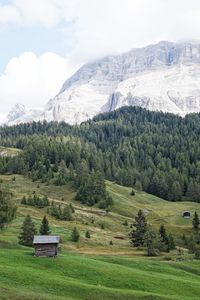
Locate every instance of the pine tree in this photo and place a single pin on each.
(44, 228)
(75, 235)
(171, 242)
(196, 221)
(151, 242)
(87, 234)
(28, 231)
(176, 191)
(62, 174)
(66, 214)
(7, 209)
(137, 235)
(163, 235)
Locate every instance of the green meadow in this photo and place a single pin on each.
(92, 268)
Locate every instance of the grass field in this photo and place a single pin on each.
(92, 268)
(72, 276)
(8, 151)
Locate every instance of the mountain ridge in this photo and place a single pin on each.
(164, 76)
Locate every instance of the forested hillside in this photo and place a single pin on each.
(152, 151)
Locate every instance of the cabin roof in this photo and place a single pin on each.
(46, 239)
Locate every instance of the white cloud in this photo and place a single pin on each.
(46, 12)
(32, 80)
(109, 24)
(112, 26)
(98, 27)
(92, 28)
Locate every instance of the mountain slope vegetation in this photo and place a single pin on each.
(153, 151)
(94, 268)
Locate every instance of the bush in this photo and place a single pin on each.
(125, 223)
(39, 202)
(132, 192)
(87, 234)
(60, 212)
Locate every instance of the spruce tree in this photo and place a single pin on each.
(137, 235)
(151, 242)
(66, 214)
(163, 235)
(28, 231)
(75, 235)
(44, 228)
(62, 174)
(7, 209)
(195, 221)
(171, 242)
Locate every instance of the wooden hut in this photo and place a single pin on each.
(186, 214)
(46, 245)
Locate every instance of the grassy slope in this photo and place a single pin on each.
(159, 211)
(73, 276)
(92, 269)
(8, 151)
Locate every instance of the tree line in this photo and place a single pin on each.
(153, 151)
(28, 230)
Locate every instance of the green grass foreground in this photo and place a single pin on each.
(75, 276)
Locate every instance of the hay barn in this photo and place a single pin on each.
(46, 245)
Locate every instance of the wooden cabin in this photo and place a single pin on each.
(46, 245)
(186, 214)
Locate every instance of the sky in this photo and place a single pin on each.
(43, 42)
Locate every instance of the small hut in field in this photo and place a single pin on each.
(186, 214)
(46, 245)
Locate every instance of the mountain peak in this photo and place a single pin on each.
(164, 76)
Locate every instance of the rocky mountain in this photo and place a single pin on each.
(165, 77)
(17, 112)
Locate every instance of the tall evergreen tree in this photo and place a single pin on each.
(75, 235)
(152, 242)
(44, 228)
(196, 221)
(164, 237)
(137, 235)
(171, 242)
(7, 208)
(66, 214)
(28, 231)
(62, 174)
